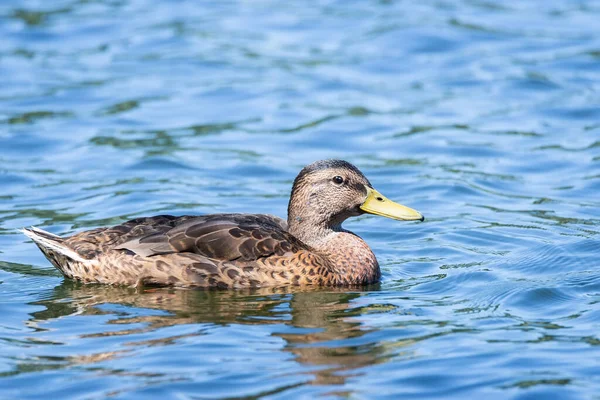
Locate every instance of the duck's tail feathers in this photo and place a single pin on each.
(53, 247)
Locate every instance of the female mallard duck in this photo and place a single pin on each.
(238, 250)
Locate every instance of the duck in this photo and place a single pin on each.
(232, 251)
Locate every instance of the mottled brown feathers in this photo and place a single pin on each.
(226, 237)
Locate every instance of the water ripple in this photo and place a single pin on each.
(481, 115)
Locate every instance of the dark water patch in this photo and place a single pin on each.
(34, 116)
(125, 106)
(37, 17)
(160, 163)
(25, 269)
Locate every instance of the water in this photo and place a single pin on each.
(485, 116)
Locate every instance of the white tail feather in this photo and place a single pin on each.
(38, 230)
(34, 234)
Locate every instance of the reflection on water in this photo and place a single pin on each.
(316, 318)
(319, 316)
(482, 115)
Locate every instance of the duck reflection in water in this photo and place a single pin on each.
(324, 315)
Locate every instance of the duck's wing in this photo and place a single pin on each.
(219, 236)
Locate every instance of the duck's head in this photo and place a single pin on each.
(326, 193)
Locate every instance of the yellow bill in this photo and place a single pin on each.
(378, 204)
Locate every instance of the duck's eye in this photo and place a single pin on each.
(338, 180)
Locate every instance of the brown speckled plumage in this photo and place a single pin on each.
(232, 250)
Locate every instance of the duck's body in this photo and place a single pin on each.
(220, 250)
(237, 250)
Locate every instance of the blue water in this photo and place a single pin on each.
(484, 116)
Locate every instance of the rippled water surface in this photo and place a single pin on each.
(483, 115)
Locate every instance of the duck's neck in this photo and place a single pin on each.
(349, 257)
